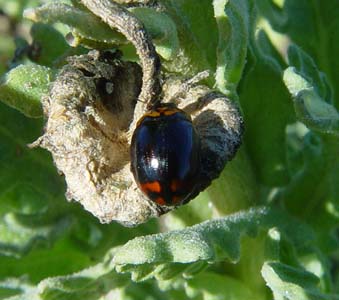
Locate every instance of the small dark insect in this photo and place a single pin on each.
(165, 155)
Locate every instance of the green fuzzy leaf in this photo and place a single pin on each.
(291, 283)
(23, 87)
(312, 193)
(312, 98)
(311, 93)
(234, 19)
(313, 26)
(11, 287)
(280, 248)
(67, 252)
(235, 189)
(17, 237)
(161, 28)
(50, 43)
(317, 34)
(315, 113)
(197, 33)
(268, 51)
(23, 195)
(298, 195)
(210, 242)
(91, 31)
(267, 111)
(91, 283)
(55, 257)
(85, 24)
(308, 69)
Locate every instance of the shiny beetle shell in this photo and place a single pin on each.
(165, 156)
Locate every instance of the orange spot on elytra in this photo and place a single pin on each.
(153, 187)
(153, 114)
(170, 112)
(160, 201)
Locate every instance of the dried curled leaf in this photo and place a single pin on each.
(90, 108)
(89, 140)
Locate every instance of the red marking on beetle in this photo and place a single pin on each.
(160, 201)
(153, 187)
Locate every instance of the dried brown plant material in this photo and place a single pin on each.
(91, 112)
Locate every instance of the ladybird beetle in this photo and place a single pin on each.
(165, 156)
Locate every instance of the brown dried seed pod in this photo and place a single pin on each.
(89, 109)
(217, 121)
